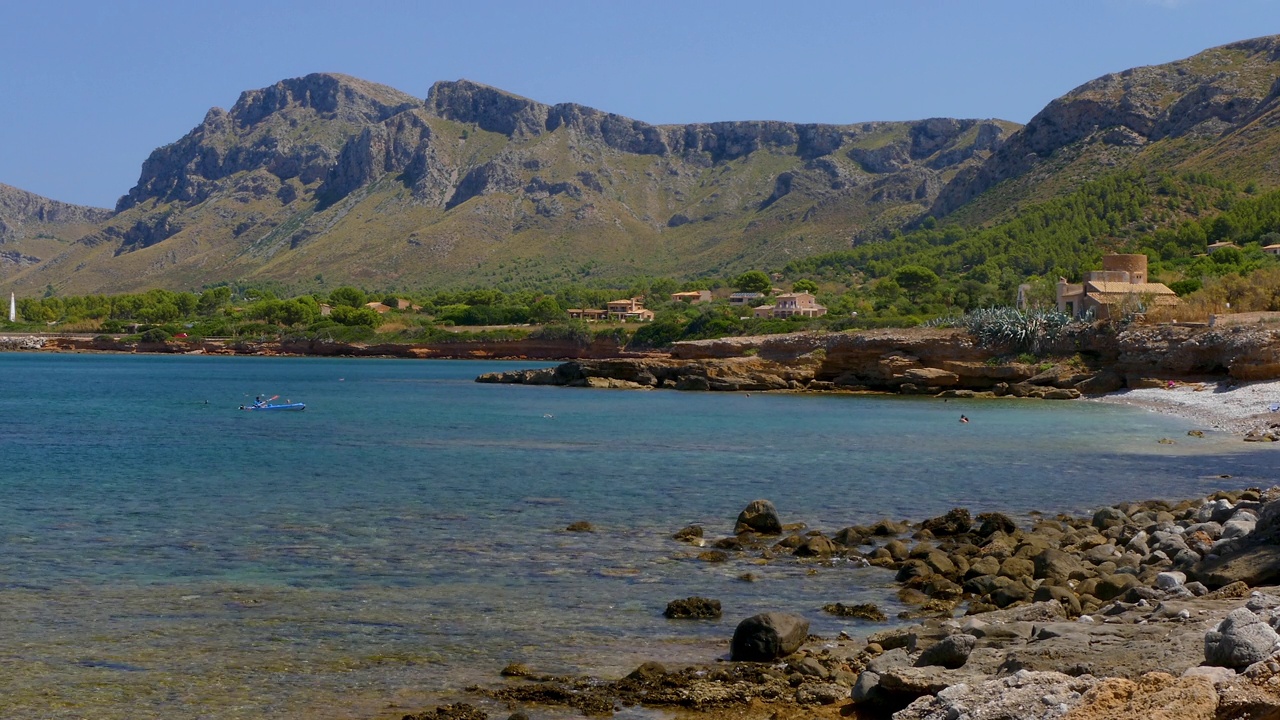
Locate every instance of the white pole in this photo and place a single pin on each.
(13, 309)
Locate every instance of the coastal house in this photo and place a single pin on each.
(1272, 249)
(789, 304)
(397, 304)
(797, 303)
(1215, 247)
(627, 309)
(744, 298)
(1121, 282)
(693, 297)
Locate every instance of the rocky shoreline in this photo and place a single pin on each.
(1227, 379)
(1154, 609)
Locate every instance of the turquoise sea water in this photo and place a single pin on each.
(163, 551)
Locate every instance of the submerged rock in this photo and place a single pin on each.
(693, 607)
(761, 517)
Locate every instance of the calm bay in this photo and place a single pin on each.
(405, 534)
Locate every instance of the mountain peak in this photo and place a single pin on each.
(331, 95)
(1208, 100)
(488, 107)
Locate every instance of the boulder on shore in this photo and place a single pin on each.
(768, 636)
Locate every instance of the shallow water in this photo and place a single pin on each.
(164, 551)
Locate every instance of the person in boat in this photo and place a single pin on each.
(258, 402)
(964, 419)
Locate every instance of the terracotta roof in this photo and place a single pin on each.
(1101, 287)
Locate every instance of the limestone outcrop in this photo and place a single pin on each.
(940, 361)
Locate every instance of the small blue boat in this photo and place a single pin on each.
(271, 406)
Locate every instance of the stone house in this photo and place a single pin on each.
(693, 297)
(627, 309)
(789, 304)
(1122, 281)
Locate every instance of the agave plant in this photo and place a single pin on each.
(1028, 330)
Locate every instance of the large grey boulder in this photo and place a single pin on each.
(1240, 640)
(950, 652)
(1056, 564)
(768, 636)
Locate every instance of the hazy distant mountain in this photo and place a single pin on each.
(34, 227)
(1218, 111)
(332, 176)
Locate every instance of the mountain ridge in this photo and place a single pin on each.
(332, 176)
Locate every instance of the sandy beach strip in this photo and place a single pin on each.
(1228, 406)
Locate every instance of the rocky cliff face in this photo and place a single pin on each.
(295, 128)
(1205, 105)
(34, 228)
(333, 175)
(21, 210)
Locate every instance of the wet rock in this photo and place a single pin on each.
(897, 549)
(688, 533)
(993, 522)
(582, 526)
(693, 607)
(516, 670)
(863, 611)
(648, 672)
(768, 636)
(456, 711)
(851, 536)
(760, 516)
(957, 521)
(886, 527)
(817, 546)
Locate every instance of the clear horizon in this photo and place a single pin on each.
(94, 88)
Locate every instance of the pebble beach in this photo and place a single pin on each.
(1225, 405)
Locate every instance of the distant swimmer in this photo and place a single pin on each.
(964, 419)
(548, 415)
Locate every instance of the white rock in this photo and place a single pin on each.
(1170, 580)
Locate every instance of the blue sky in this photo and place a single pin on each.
(89, 89)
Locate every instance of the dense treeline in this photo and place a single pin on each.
(1171, 220)
(933, 270)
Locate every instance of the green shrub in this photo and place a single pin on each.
(574, 331)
